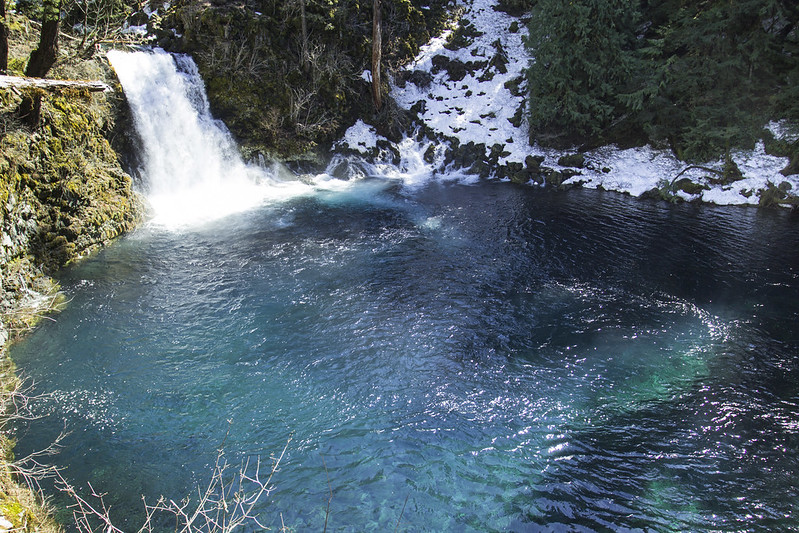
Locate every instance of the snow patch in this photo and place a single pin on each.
(360, 137)
(470, 109)
(478, 109)
(139, 31)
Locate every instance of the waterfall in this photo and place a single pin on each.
(192, 170)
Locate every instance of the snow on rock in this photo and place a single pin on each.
(474, 110)
(360, 137)
(479, 108)
(633, 171)
(138, 31)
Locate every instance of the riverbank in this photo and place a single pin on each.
(63, 194)
(468, 90)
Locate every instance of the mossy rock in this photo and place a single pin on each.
(572, 160)
(515, 86)
(730, 170)
(463, 36)
(21, 518)
(777, 195)
(792, 168)
(74, 182)
(533, 163)
(554, 178)
(689, 187)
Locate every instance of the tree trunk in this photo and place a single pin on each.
(51, 85)
(3, 38)
(43, 58)
(377, 45)
(304, 26)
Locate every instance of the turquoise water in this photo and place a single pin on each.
(500, 358)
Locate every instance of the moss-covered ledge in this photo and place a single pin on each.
(63, 194)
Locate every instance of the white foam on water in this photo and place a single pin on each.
(190, 163)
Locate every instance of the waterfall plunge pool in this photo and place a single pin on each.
(444, 357)
(502, 357)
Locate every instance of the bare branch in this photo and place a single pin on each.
(329, 488)
(226, 503)
(396, 529)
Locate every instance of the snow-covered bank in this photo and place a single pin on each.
(478, 101)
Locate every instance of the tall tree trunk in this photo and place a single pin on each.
(43, 58)
(3, 38)
(304, 26)
(377, 52)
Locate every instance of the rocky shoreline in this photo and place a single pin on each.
(63, 194)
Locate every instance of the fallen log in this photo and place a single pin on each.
(18, 82)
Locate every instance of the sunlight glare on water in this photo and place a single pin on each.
(505, 359)
(444, 357)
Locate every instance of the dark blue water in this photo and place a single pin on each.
(501, 358)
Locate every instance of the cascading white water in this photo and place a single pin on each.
(191, 166)
(190, 163)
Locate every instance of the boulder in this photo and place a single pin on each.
(572, 160)
(689, 187)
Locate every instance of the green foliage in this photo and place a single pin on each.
(38, 9)
(702, 77)
(713, 61)
(280, 89)
(584, 60)
(30, 8)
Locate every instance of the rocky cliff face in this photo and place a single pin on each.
(62, 194)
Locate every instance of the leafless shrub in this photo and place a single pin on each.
(99, 19)
(16, 398)
(227, 503)
(300, 107)
(32, 308)
(247, 57)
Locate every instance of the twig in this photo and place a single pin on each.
(329, 488)
(224, 505)
(402, 512)
(700, 167)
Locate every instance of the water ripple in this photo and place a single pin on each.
(505, 359)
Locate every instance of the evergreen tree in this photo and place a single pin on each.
(713, 65)
(584, 59)
(784, 27)
(703, 76)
